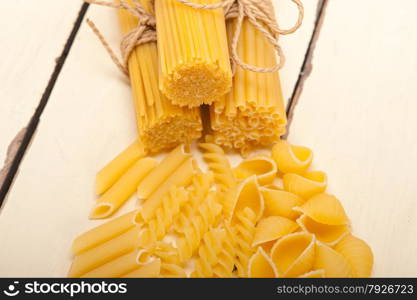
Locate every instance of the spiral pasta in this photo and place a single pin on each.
(224, 178)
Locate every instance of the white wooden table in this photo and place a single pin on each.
(356, 111)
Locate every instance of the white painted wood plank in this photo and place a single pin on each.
(33, 34)
(88, 120)
(357, 112)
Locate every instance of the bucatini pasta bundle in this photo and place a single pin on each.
(253, 113)
(161, 124)
(193, 53)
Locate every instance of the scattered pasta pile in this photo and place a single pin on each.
(269, 216)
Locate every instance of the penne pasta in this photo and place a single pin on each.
(104, 232)
(151, 269)
(105, 252)
(166, 167)
(111, 172)
(123, 189)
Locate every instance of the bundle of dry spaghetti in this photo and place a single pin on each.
(161, 124)
(253, 113)
(193, 54)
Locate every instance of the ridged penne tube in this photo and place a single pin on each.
(161, 124)
(328, 234)
(193, 53)
(281, 203)
(123, 189)
(293, 255)
(272, 228)
(263, 167)
(261, 266)
(151, 269)
(358, 254)
(116, 268)
(291, 158)
(172, 271)
(306, 185)
(249, 195)
(253, 113)
(332, 262)
(313, 274)
(105, 252)
(103, 232)
(165, 168)
(325, 209)
(111, 172)
(180, 177)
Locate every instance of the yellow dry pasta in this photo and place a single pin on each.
(181, 177)
(104, 232)
(193, 53)
(253, 113)
(166, 167)
(111, 172)
(151, 269)
(172, 271)
(261, 266)
(293, 255)
(358, 254)
(328, 234)
(306, 185)
(249, 195)
(105, 252)
(116, 268)
(291, 158)
(226, 183)
(281, 203)
(325, 209)
(263, 167)
(272, 228)
(161, 124)
(332, 262)
(313, 274)
(123, 189)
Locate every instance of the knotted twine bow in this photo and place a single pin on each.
(259, 13)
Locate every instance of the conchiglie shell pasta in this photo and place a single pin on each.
(307, 185)
(293, 255)
(314, 274)
(262, 166)
(332, 262)
(291, 158)
(272, 228)
(281, 203)
(328, 234)
(261, 266)
(249, 195)
(325, 209)
(358, 254)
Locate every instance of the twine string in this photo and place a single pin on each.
(259, 13)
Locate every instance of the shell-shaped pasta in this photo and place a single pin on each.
(314, 274)
(262, 166)
(293, 255)
(281, 203)
(291, 158)
(328, 234)
(272, 228)
(306, 185)
(249, 195)
(332, 262)
(261, 266)
(358, 254)
(325, 209)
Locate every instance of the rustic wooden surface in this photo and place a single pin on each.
(355, 112)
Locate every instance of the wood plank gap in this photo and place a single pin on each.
(307, 65)
(34, 121)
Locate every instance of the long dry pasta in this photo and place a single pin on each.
(161, 124)
(193, 53)
(253, 113)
